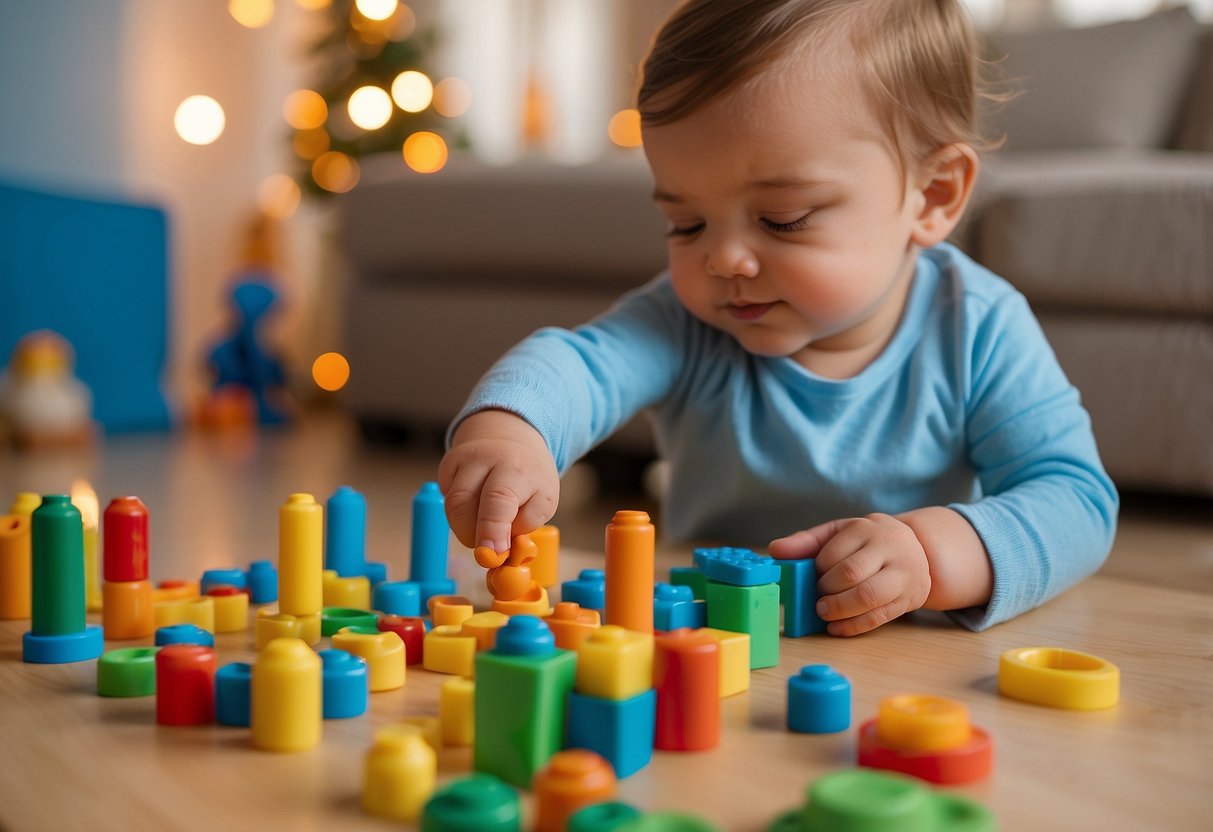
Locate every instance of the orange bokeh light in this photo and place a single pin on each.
(330, 371)
(425, 152)
(624, 128)
(336, 172)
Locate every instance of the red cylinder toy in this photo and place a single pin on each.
(686, 675)
(411, 632)
(185, 685)
(125, 542)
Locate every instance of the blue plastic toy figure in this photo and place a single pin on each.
(241, 359)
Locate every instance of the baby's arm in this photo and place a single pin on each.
(499, 479)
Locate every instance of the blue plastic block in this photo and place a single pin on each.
(430, 537)
(429, 589)
(184, 634)
(692, 577)
(620, 730)
(346, 684)
(739, 567)
(374, 572)
(345, 532)
(215, 577)
(232, 683)
(397, 598)
(262, 582)
(819, 700)
(675, 606)
(589, 590)
(87, 644)
(798, 594)
(525, 635)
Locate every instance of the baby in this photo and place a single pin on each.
(827, 377)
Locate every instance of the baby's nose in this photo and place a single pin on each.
(730, 258)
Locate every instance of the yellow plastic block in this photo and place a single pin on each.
(231, 612)
(446, 610)
(429, 728)
(175, 591)
(456, 711)
(399, 775)
(614, 663)
(300, 556)
(919, 722)
(1058, 678)
(384, 654)
(271, 625)
(483, 627)
(286, 708)
(734, 660)
(448, 650)
(544, 569)
(25, 503)
(353, 593)
(197, 611)
(534, 602)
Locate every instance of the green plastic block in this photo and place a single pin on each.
(479, 803)
(520, 709)
(692, 577)
(333, 619)
(668, 822)
(748, 609)
(57, 540)
(130, 671)
(602, 817)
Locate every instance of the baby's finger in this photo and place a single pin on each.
(869, 620)
(844, 563)
(806, 543)
(872, 593)
(534, 513)
(495, 518)
(461, 493)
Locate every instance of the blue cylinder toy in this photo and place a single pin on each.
(184, 634)
(819, 700)
(262, 582)
(431, 536)
(346, 685)
(232, 684)
(345, 532)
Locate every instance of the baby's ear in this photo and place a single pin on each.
(945, 184)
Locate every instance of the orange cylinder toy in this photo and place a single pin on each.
(630, 539)
(15, 567)
(545, 569)
(686, 675)
(571, 780)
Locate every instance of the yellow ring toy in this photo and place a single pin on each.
(917, 722)
(1058, 678)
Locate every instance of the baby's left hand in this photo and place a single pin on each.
(870, 570)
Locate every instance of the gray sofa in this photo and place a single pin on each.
(1099, 208)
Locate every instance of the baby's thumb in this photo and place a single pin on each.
(498, 508)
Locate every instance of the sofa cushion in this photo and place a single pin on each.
(1119, 85)
(1101, 230)
(1195, 128)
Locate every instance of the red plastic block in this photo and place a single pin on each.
(125, 543)
(686, 675)
(411, 631)
(185, 685)
(973, 760)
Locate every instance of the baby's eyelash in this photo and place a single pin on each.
(795, 225)
(688, 231)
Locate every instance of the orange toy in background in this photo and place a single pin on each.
(42, 403)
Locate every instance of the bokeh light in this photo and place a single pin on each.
(331, 371)
(376, 9)
(452, 97)
(311, 144)
(278, 196)
(336, 172)
(412, 91)
(251, 13)
(425, 152)
(199, 119)
(370, 107)
(624, 128)
(305, 109)
(403, 24)
(314, 5)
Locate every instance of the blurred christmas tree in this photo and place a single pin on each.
(371, 94)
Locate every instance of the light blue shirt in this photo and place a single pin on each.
(966, 407)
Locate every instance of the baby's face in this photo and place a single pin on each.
(790, 220)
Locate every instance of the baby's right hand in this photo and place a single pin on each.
(499, 480)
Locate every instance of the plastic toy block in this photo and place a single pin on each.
(127, 610)
(25, 503)
(231, 609)
(185, 685)
(449, 609)
(571, 625)
(860, 800)
(429, 728)
(522, 688)
(125, 540)
(345, 689)
(571, 780)
(300, 556)
(544, 570)
(798, 595)
(748, 609)
(479, 803)
(457, 712)
(614, 663)
(184, 634)
(668, 822)
(739, 567)
(602, 817)
(399, 774)
(398, 598)
(374, 572)
(483, 627)
(175, 589)
(928, 737)
(233, 683)
(534, 603)
(383, 652)
(130, 671)
(621, 730)
(58, 633)
(734, 660)
(197, 611)
(270, 625)
(522, 552)
(1058, 678)
(692, 577)
(412, 633)
(819, 700)
(430, 537)
(675, 607)
(345, 533)
(222, 577)
(262, 582)
(589, 590)
(353, 592)
(287, 688)
(686, 676)
(448, 650)
(630, 540)
(15, 567)
(335, 619)
(92, 570)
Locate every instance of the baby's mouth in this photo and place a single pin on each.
(749, 311)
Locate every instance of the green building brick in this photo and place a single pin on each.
(748, 609)
(692, 577)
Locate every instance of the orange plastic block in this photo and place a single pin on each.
(630, 540)
(457, 711)
(231, 609)
(928, 737)
(449, 609)
(399, 775)
(448, 650)
(545, 568)
(734, 660)
(197, 611)
(127, 610)
(383, 652)
(286, 710)
(352, 593)
(916, 722)
(509, 573)
(571, 624)
(16, 586)
(483, 627)
(571, 780)
(271, 625)
(614, 663)
(175, 590)
(534, 602)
